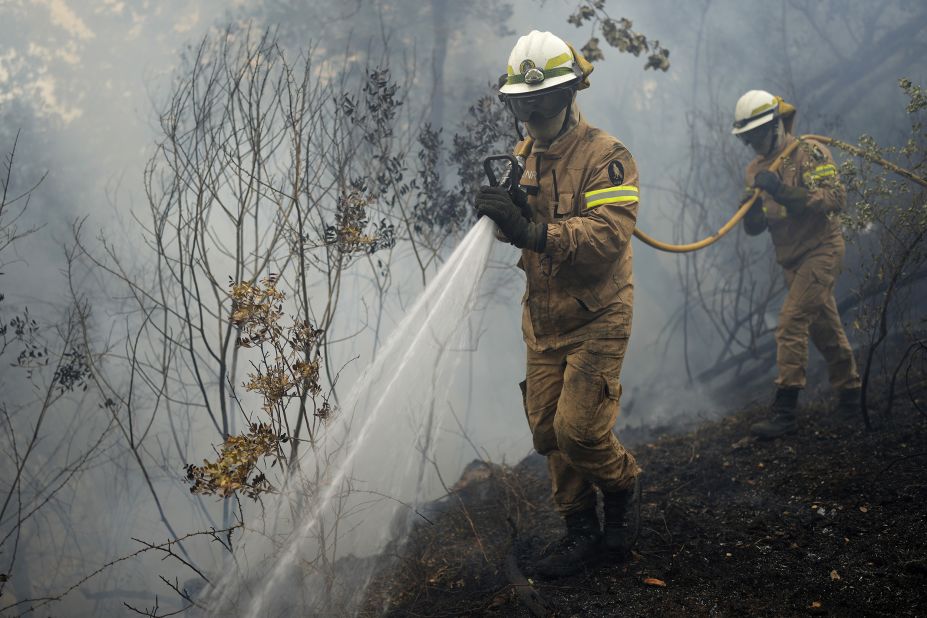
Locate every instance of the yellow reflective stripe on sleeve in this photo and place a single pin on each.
(557, 61)
(612, 200)
(589, 194)
(611, 195)
(821, 171)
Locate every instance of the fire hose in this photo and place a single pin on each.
(516, 165)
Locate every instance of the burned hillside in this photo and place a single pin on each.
(827, 522)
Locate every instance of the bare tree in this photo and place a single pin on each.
(287, 172)
(45, 448)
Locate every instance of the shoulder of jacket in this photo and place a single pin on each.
(602, 145)
(814, 149)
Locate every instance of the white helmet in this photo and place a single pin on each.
(539, 61)
(755, 108)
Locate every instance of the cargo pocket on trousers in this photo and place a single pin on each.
(613, 387)
(611, 402)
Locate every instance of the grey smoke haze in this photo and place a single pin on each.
(84, 82)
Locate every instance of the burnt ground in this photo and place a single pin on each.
(831, 521)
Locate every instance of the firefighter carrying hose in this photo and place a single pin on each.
(574, 222)
(798, 205)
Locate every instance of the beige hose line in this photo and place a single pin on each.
(742, 211)
(727, 227)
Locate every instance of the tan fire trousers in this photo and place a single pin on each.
(571, 401)
(810, 310)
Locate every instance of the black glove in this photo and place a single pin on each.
(521, 200)
(794, 199)
(767, 181)
(497, 204)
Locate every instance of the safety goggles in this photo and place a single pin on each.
(546, 104)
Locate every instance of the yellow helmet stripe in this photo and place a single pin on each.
(763, 108)
(557, 60)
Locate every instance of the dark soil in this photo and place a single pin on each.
(831, 521)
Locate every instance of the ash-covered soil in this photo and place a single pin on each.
(830, 521)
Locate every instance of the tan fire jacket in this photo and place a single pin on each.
(812, 167)
(585, 187)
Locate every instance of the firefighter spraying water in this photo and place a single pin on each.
(573, 222)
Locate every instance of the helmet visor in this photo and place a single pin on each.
(546, 104)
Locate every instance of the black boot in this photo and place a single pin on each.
(579, 547)
(848, 403)
(782, 419)
(622, 520)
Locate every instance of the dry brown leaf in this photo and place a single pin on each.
(834, 575)
(653, 581)
(815, 604)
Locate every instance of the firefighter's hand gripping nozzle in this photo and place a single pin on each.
(510, 180)
(506, 203)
